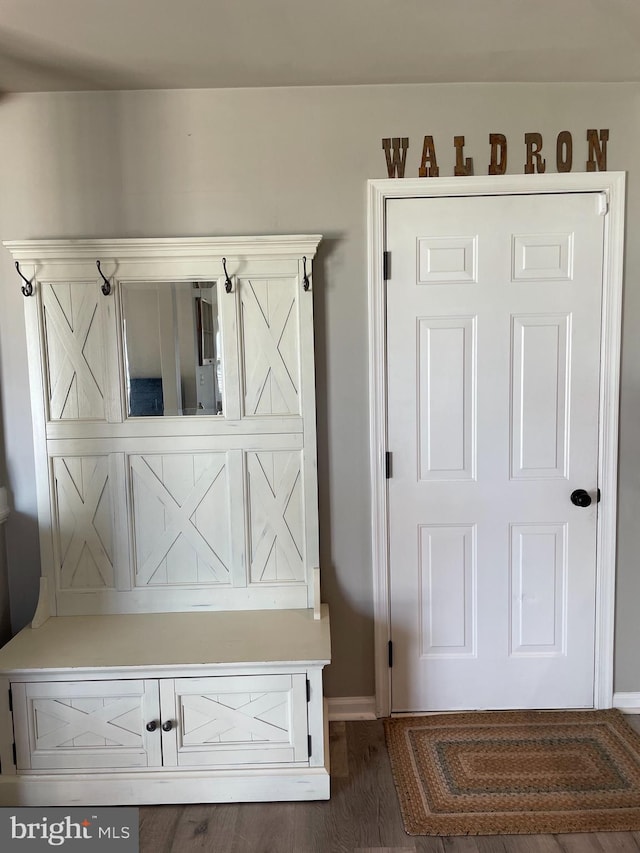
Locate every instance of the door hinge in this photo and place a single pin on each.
(390, 654)
(308, 690)
(387, 465)
(309, 744)
(15, 754)
(386, 265)
(10, 701)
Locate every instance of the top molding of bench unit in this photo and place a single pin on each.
(171, 247)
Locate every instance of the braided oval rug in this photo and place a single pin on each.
(516, 772)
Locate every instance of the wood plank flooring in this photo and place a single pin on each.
(362, 816)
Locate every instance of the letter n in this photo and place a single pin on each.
(597, 150)
(397, 162)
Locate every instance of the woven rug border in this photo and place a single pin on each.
(412, 803)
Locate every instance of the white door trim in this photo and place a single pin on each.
(612, 184)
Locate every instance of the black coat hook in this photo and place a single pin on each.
(27, 288)
(227, 281)
(305, 277)
(106, 287)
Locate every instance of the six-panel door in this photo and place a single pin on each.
(493, 330)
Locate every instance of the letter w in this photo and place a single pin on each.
(397, 162)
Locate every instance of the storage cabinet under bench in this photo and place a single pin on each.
(188, 730)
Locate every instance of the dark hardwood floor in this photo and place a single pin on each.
(362, 816)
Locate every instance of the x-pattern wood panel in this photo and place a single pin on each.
(220, 717)
(265, 331)
(179, 519)
(68, 336)
(271, 504)
(76, 520)
(75, 722)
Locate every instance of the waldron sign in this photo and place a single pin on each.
(395, 149)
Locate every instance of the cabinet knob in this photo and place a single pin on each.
(166, 727)
(152, 726)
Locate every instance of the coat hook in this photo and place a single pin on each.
(106, 287)
(27, 289)
(305, 277)
(227, 281)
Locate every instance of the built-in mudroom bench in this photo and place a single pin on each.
(177, 649)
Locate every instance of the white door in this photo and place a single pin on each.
(493, 335)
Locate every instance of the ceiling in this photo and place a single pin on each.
(71, 45)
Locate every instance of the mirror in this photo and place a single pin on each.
(171, 334)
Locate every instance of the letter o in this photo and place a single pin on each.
(564, 151)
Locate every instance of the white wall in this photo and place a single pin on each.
(290, 161)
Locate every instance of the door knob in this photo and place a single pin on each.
(152, 726)
(581, 498)
(166, 727)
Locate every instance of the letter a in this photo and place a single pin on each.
(428, 164)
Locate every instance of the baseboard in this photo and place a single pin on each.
(352, 708)
(155, 788)
(364, 707)
(628, 702)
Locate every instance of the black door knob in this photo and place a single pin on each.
(166, 727)
(581, 498)
(152, 726)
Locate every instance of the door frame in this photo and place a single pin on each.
(612, 184)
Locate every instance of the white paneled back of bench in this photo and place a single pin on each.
(201, 511)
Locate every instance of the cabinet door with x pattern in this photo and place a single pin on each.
(89, 725)
(214, 721)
